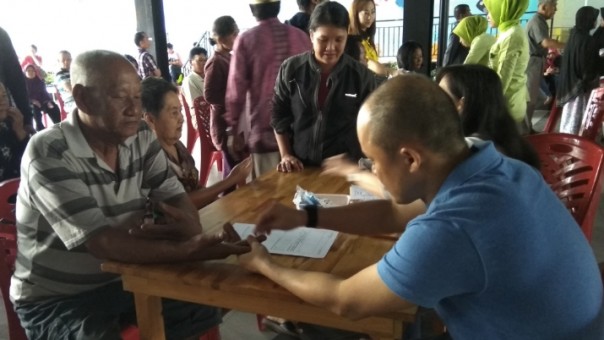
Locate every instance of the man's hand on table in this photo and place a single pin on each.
(219, 245)
(257, 259)
(279, 216)
(178, 225)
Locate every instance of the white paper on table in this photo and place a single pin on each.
(359, 194)
(302, 241)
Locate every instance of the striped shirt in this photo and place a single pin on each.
(68, 194)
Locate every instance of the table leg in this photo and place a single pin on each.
(148, 315)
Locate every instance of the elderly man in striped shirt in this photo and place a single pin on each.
(84, 190)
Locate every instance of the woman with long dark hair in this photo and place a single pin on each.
(362, 23)
(579, 70)
(478, 95)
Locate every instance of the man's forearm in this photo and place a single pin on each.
(313, 287)
(184, 203)
(283, 144)
(370, 218)
(552, 43)
(116, 244)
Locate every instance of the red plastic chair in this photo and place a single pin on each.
(8, 189)
(191, 131)
(8, 253)
(209, 154)
(572, 166)
(594, 112)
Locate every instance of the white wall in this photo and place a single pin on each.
(565, 17)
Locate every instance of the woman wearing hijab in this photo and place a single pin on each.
(509, 55)
(472, 33)
(578, 72)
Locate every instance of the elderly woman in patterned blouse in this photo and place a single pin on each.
(163, 114)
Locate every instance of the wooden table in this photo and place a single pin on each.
(223, 283)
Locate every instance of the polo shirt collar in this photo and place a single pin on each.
(75, 139)
(483, 156)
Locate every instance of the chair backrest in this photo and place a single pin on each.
(8, 253)
(572, 166)
(203, 116)
(8, 190)
(191, 131)
(594, 112)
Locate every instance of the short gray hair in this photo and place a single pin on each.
(89, 66)
(548, 2)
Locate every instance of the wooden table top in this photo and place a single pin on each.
(348, 255)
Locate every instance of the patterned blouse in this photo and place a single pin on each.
(11, 151)
(184, 168)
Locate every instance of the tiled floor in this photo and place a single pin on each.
(238, 325)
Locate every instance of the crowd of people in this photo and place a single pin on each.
(309, 92)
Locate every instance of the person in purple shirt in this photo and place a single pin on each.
(40, 99)
(256, 58)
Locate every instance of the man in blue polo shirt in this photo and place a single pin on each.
(496, 254)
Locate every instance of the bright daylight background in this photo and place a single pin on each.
(79, 25)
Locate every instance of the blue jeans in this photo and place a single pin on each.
(101, 314)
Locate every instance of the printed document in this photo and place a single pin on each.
(302, 241)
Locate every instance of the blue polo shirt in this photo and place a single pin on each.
(498, 256)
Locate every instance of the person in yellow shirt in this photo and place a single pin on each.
(509, 55)
(472, 33)
(362, 23)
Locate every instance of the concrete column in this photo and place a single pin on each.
(417, 26)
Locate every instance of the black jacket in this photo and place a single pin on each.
(317, 134)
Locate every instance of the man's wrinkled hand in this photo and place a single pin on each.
(216, 246)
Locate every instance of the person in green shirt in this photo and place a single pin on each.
(472, 33)
(509, 55)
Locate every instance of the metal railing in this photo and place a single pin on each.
(389, 34)
(388, 37)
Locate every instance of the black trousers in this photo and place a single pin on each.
(54, 113)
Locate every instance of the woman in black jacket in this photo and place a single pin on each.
(318, 95)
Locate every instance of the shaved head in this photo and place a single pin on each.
(412, 109)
